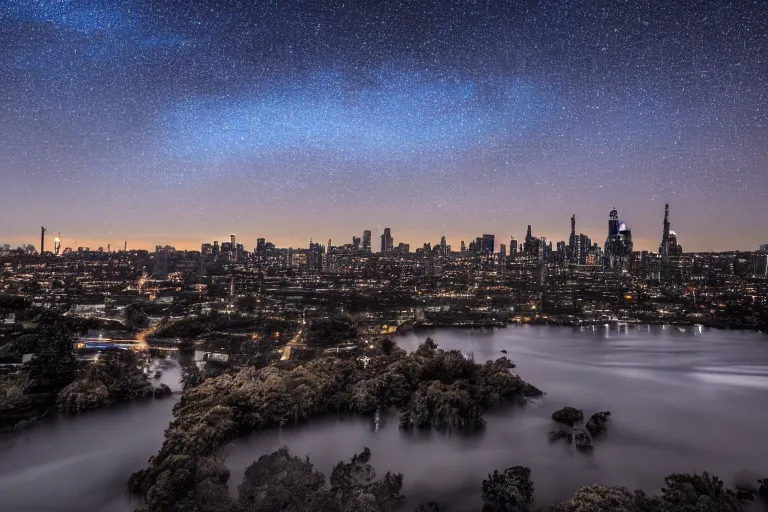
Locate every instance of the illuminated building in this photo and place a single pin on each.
(367, 240)
(618, 244)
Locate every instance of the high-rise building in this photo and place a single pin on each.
(618, 244)
(487, 244)
(367, 240)
(573, 244)
(532, 247)
(463, 246)
(57, 244)
(260, 244)
(443, 247)
(669, 246)
(513, 248)
(356, 243)
(502, 252)
(764, 248)
(42, 240)
(387, 243)
(563, 253)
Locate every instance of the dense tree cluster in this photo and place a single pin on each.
(683, 493)
(193, 327)
(31, 392)
(513, 491)
(431, 387)
(115, 377)
(331, 331)
(55, 380)
(509, 491)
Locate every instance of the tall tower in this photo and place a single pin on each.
(664, 247)
(57, 244)
(42, 240)
(367, 240)
(613, 223)
(573, 242)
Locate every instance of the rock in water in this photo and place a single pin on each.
(577, 436)
(596, 423)
(581, 439)
(568, 416)
(162, 391)
(557, 435)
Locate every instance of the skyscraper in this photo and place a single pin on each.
(355, 243)
(387, 243)
(573, 252)
(664, 246)
(487, 244)
(669, 246)
(463, 246)
(367, 240)
(618, 243)
(443, 247)
(513, 248)
(42, 240)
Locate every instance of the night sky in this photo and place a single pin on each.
(176, 122)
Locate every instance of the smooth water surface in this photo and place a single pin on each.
(680, 402)
(82, 463)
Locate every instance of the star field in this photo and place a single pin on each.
(167, 122)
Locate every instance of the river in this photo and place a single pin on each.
(82, 463)
(680, 402)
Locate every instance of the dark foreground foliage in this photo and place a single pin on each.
(115, 377)
(431, 387)
(512, 491)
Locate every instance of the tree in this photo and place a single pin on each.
(510, 491)
(280, 481)
(54, 365)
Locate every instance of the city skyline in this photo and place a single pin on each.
(127, 120)
(646, 243)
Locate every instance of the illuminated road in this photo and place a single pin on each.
(296, 340)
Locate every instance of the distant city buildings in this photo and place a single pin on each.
(387, 243)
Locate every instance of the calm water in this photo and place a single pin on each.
(81, 463)
(681, 401)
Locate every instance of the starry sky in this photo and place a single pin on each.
(167, 122)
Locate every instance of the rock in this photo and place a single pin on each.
(162, 391)
(557, 435)
(504, 351)
(577, 436)
(596, 423)
(581, 439)
(568, 416)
